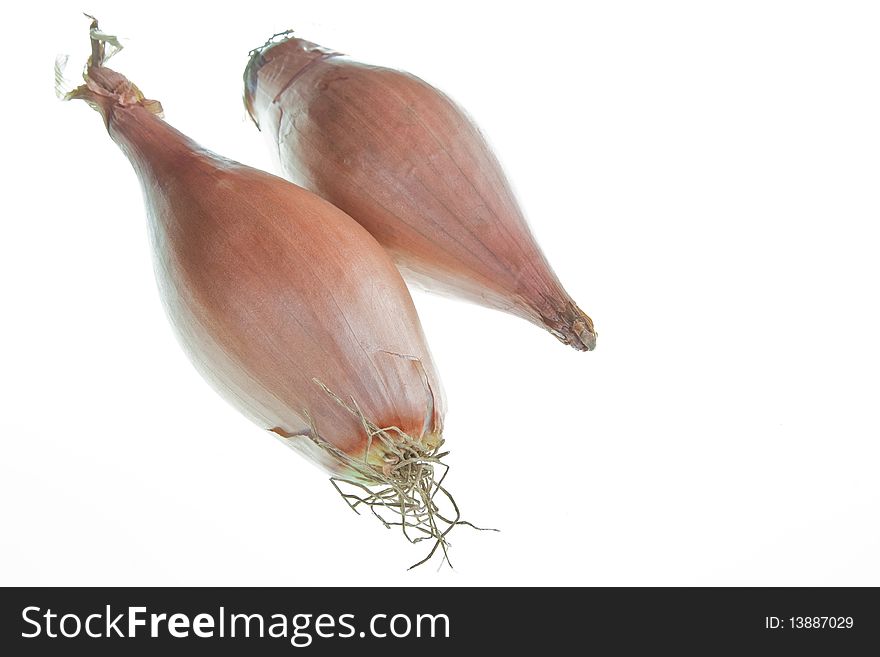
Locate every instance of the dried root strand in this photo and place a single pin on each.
(404, 492)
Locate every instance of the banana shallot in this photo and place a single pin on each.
(406, 162)
(290, 309)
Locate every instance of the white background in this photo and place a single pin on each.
(704, 178)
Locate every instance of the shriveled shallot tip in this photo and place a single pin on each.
(573, 327)
(585, 334)
(587, 339)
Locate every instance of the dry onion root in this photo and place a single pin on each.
(407, 163)
(290, 309)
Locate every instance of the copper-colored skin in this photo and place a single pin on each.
(402, 159)
(269, 287)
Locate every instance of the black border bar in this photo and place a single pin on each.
(520, 620)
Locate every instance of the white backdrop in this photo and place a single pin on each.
(704, 178)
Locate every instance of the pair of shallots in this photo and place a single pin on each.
(290, 301)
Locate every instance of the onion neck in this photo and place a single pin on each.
(135, 123)
(274, 66)
(152, 146)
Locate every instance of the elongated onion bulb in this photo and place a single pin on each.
(293, 312)
(402, 159)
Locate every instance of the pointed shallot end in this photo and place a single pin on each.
(290, 309)
(409, 165)
(104, 88)
(573, 327)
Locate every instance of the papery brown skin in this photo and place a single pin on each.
(270, 287)
(402, 159)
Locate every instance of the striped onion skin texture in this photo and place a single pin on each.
(406, 162)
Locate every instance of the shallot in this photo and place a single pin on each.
(405, 161)
(289, 308)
